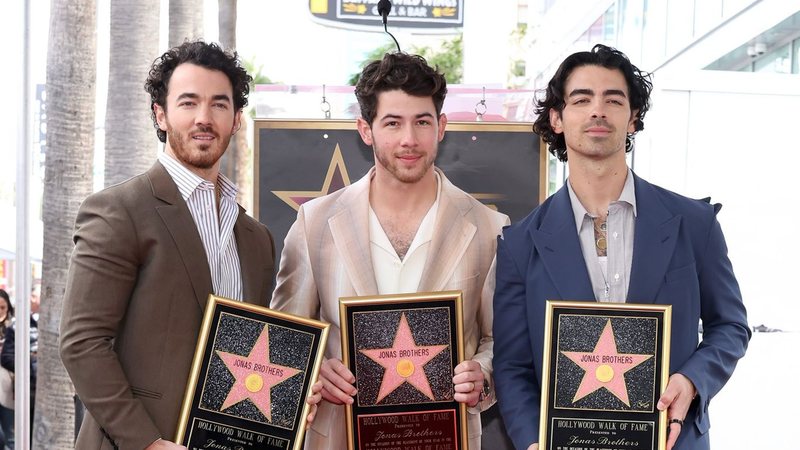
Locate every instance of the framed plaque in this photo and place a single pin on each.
(402, 350)
(252, 371)
(605, 366)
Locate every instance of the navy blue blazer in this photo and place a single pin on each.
(679, 258)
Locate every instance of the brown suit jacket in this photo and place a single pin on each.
(326, 255)
(137, 286)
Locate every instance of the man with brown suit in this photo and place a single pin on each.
(401, 228)
(149, 251)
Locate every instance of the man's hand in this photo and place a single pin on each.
(337, 382)
(468, 381)
(534, 447)
(676, 400)
(161, 444)
(313, 399)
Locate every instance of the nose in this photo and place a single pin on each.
(598, 110)
(203, 116)
(409, 137)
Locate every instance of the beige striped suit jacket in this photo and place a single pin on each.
(326, 255)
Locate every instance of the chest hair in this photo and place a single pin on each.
(401, 233)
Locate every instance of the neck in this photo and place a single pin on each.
(387, 193)
(208, 174)
(597, 183)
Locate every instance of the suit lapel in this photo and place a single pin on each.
(557, 243)
(252, 270)
(653, 245)
(350, 231)
(178, 221)
(450, 240)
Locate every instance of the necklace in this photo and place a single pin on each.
(600, 243)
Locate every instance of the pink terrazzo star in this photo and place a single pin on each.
(605, 367)
(255, 375)
(403, 362)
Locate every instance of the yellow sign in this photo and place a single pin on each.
(319, 6)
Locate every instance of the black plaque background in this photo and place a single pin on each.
(374, 335)
(629, 339)
(272, 437)
(422, 404)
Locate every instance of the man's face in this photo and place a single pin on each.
(597, 113)
(405, 135)
(199, 117)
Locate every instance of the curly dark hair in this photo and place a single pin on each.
(639, 88)
(411, 73)
(209, 56)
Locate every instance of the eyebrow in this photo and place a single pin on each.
(194, 96)
(606, 93)
(397, 116)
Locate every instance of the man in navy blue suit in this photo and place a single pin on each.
(610, 236)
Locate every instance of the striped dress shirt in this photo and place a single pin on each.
(215, 227)
(610, 275)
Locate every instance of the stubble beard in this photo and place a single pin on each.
(205, 156)
(404, 176)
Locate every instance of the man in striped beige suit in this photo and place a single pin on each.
(149, 251)
(401, 228)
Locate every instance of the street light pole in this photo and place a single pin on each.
(22, 274)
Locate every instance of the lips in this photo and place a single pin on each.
(602, 130)
(409, 157)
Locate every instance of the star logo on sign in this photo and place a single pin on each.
(335, 179)
(403, 362)
(255, 375)
(605, 367)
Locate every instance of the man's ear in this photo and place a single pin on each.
(237, 122)
(632, 123)
(442, 126)
(365, 130)
(161, 116)
(555, 121)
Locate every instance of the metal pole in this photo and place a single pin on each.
(22, 403)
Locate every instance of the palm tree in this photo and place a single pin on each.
(185, 21)
(130, 147)
(227, 23)
(237, 161)
(68, 180)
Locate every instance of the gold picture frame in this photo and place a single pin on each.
(605, 366)
(252, 371)
(402, 350)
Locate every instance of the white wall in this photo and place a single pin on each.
(734, 137)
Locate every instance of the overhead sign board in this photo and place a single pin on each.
(432, 15)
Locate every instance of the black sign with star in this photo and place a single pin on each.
(499, 163)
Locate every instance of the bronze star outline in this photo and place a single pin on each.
(336, 178)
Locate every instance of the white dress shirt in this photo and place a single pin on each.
(215, 228)
(392, 274)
